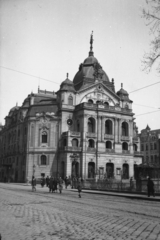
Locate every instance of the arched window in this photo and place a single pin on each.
(155, 146)
(142, 147)
(65, 142)
(151, 159)
(91, 143)
(91, 125)
(74, 142)
(151, 146)
(91, 169)
(125, 146)
(78, 126)
(146, 147)
(109, 145)
(43, 160)
(135, 147)
(70, 100)
(90, 101)
(125, 171)
(110, 170)
(106, 104)
(44, 137)
(108, 127)
(124, 129)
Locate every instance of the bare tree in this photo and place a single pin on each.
(152, 15)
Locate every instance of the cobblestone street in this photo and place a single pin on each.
(42, 215)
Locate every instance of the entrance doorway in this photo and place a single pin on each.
(110, 170)
(91, 169)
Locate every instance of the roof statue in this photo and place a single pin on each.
(91, 47)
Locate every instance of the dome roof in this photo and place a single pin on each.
(67, 85)
(89, 71)
(90, 60)
(12, 110)
(123, 94)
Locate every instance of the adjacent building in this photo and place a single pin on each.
(150, 146)
(84, 129)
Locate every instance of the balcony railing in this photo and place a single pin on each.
(124, 138)
(91, 135)
(72, 133)
(137, 154)
(108, 136)
(75, 134)
(110, 150)
(125, 151)
(89, 149)
(102, 106)
(135, 139)
(72, 148)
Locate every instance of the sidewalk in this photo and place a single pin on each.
(139, 196)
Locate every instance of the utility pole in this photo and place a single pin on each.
(97, 144)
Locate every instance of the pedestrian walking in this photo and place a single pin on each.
(79, 187)
(51, 185)
(33, 184)
(66, 182)
(150, 187)
(60, 185)
(47, 181)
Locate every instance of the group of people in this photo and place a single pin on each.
(57, 183)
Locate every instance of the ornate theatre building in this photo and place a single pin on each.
(84, 129)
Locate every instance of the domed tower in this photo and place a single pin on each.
(66, 93)
(90, 72)
(124, 97)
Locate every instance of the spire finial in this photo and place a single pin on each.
(121, 85)
(91, 45)
(67, 75)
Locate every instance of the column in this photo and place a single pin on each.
(119, 130)
(99, 128)
(102, 128)
(116, 130)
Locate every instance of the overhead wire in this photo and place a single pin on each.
(145, 87)
(58, 84)
(146, 113)
(29, 74)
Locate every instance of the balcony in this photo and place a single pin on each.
(138, 154)
(110, 150)
(75, 134)
(72, 148)
(89, 149)
(124, 138)
(103, 107)
(91, 135)
(71, 133)
(135, 139)
(125, 151)
(108, 136)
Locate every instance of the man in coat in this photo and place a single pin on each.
(150, 187)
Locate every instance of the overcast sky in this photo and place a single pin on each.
(48, 38)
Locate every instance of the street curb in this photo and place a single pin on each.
(154, 199)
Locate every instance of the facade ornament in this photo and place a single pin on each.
(98, 72)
